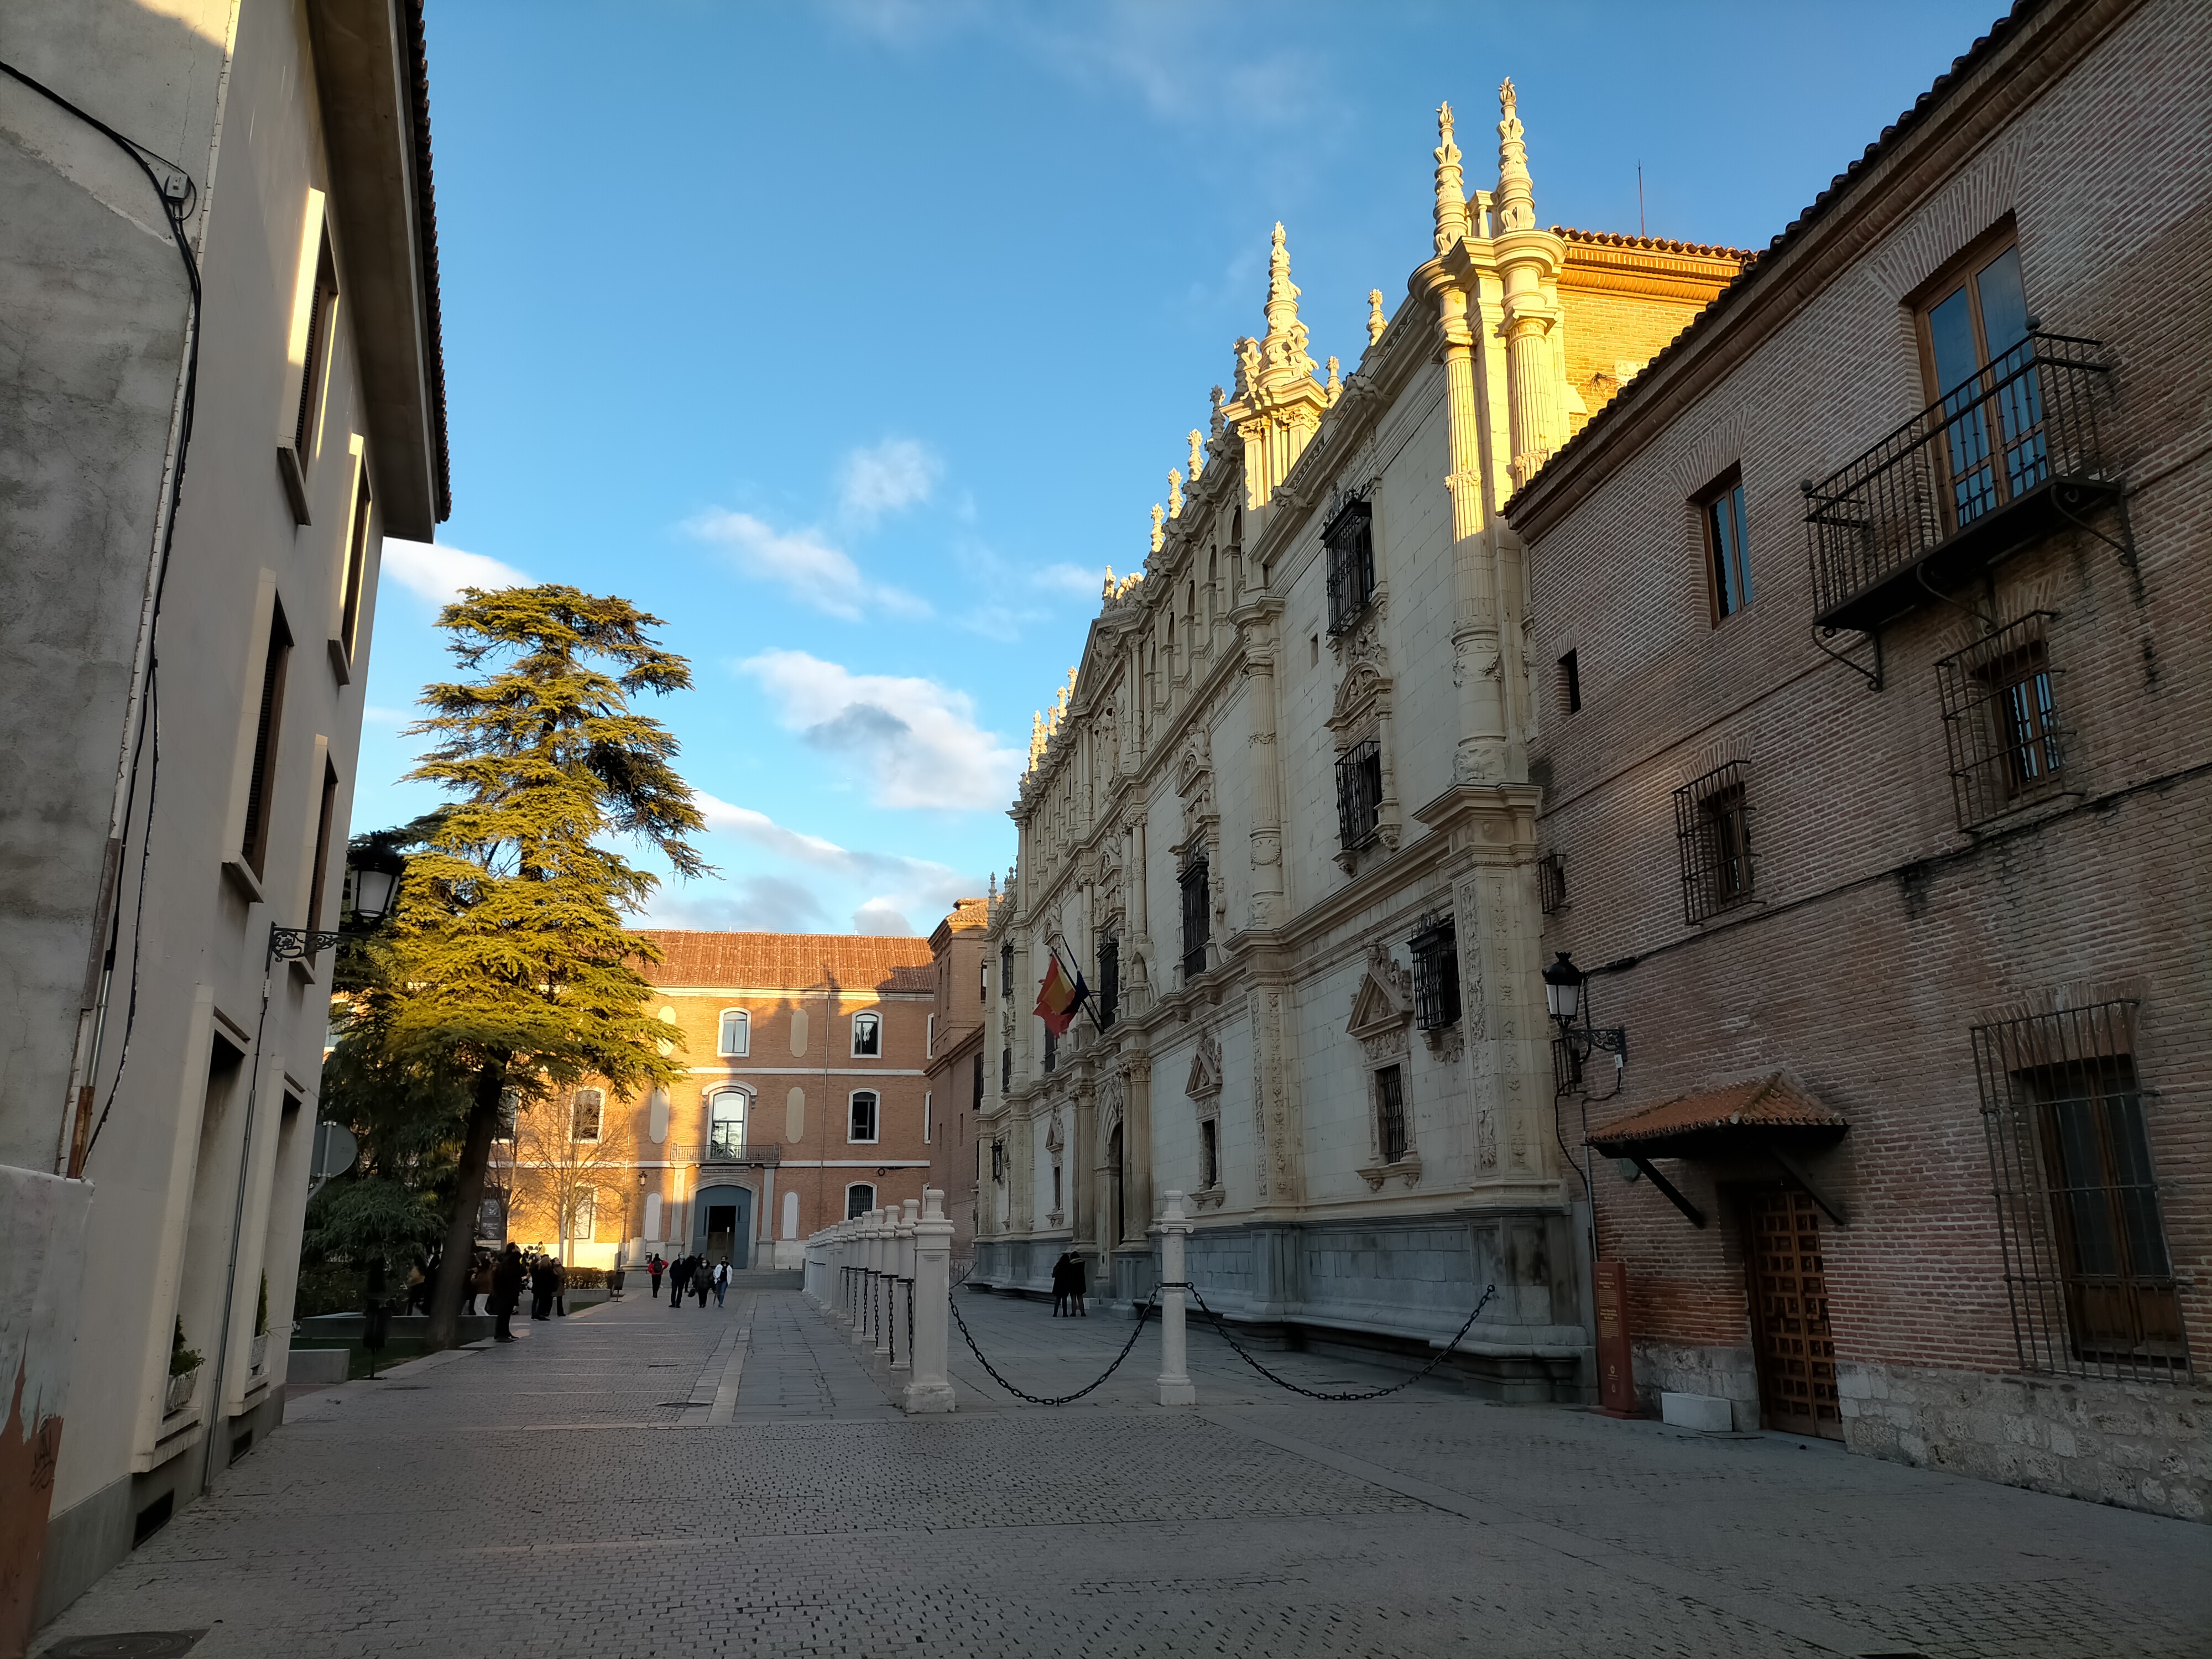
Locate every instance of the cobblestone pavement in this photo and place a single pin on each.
(643, 1480)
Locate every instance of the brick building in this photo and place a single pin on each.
(805, 1101)
(1879, 622)
(959, 958)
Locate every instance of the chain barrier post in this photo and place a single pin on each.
(886, 1281)
(864, 1260)
(929, 1389)
(903, 1284)
(1173, 1227)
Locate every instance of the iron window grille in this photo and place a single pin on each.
(1390, 1112)
(1434, 947)
(998, 1161)
(1110, 980)
(2088, 1273)
(1005, 1070)
(1051, 1050)
(979, 1083)
(1197, 903)
(1359, 793)
(2001, 721)
(1552, 883)
(1006, 971)
(1712, 831)
(1350, 539)
(1209, 1145)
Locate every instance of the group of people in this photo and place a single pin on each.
(1068, 1278)
(547, 1279)
(690, 1274)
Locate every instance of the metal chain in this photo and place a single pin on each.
(1143, 1310)
(1313, 1394)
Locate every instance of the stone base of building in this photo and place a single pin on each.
(1718, 1373)
(2135, 1445)
(90, 1536)
(1382, 1290)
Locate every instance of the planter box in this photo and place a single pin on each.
(180, 1392)
(261, 1353)
(317, 1365)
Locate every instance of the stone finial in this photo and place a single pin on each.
(1514, 205)
(1159, 536)
(1451, 185)
(1335, 389)
(1377, 322)
(1107, 592)
(1197, 453)
(1036, 737)
(1175, 494)
(1284, 348)
(1220, 422)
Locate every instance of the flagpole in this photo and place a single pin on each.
(1077, 975)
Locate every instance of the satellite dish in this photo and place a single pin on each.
(335, 1151)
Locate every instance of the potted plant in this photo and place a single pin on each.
(261, 1329)
(184, 1372)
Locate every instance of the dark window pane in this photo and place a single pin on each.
(2004, 304)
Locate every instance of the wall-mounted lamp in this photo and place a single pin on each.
(1563, 999)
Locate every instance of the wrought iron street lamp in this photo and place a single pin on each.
(1562, 1000)
(372, 885)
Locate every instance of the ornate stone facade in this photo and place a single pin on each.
(1302, 728)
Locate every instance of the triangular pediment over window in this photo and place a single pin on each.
(1384, 1001)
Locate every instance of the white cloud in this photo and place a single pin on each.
(769, 904)
(815, 573)
(897, 474)
(1070, 578)
(898, 886)
(438, 573)
(911, 741)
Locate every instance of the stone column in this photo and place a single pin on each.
(1176, 1386)
(930, 1390)
(1477, 670)
(1137, 921)
(901, 1305)
(1136, 1151)
(1257, 622)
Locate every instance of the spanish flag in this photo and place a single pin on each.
(1058, 1000)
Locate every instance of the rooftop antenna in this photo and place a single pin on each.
(1640, 231)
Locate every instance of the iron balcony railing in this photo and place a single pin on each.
(1983, 469)
(726, 1149)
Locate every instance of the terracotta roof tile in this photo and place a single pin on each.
(793, 962)
(1653, 244)
(1767, 1103)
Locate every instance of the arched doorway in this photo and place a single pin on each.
(721, 1223)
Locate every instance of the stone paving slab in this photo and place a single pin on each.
(638, 1480)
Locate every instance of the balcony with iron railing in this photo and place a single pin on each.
(738, 1148)
(1997, 461)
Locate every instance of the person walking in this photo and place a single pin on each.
(655, 1266)
(679, 1275)
(1063, 1284)
(559, 1289)
(506, 1292)
(541, 1289)
(702, 1278)
(722, 1281)
(477, 1284)
(1076, 1276)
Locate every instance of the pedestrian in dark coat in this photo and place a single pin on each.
(679, 1275)
(560, 1290)
(703, 1278)
(543, 1278)
(656, 1267)
(1067, 1273)
(506, 1292)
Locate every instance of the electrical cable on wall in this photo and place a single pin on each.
(179, 198)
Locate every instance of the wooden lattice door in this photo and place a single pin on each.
(1790, 1341)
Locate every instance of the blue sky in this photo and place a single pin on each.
(855, 340)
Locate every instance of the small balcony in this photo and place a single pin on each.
(1999, 460)
(726, 1149)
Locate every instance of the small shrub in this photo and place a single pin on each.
(587, 1278)
(261, 1309)
(182, 1358)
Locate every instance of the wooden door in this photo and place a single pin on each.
(1789, 1288)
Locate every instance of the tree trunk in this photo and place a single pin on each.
(468, 1199)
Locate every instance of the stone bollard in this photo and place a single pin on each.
(880, 1331)
(930, 1390)
(870, 1242)
(1176, 1386)
(903, 1285)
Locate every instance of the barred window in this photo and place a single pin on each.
(1552, 883)
(1435, 946)
(2001, 721)
(1713, 830)
(2087, 1269)
(1209, 1152)
(1359, 793)
(1350, 539)
(1051, 1049)
(999, 1161)
(1110, 980)
(1390, 1113)
(1006, 1069)
(979, 1080)
(1006, 971)
(1197, 922)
